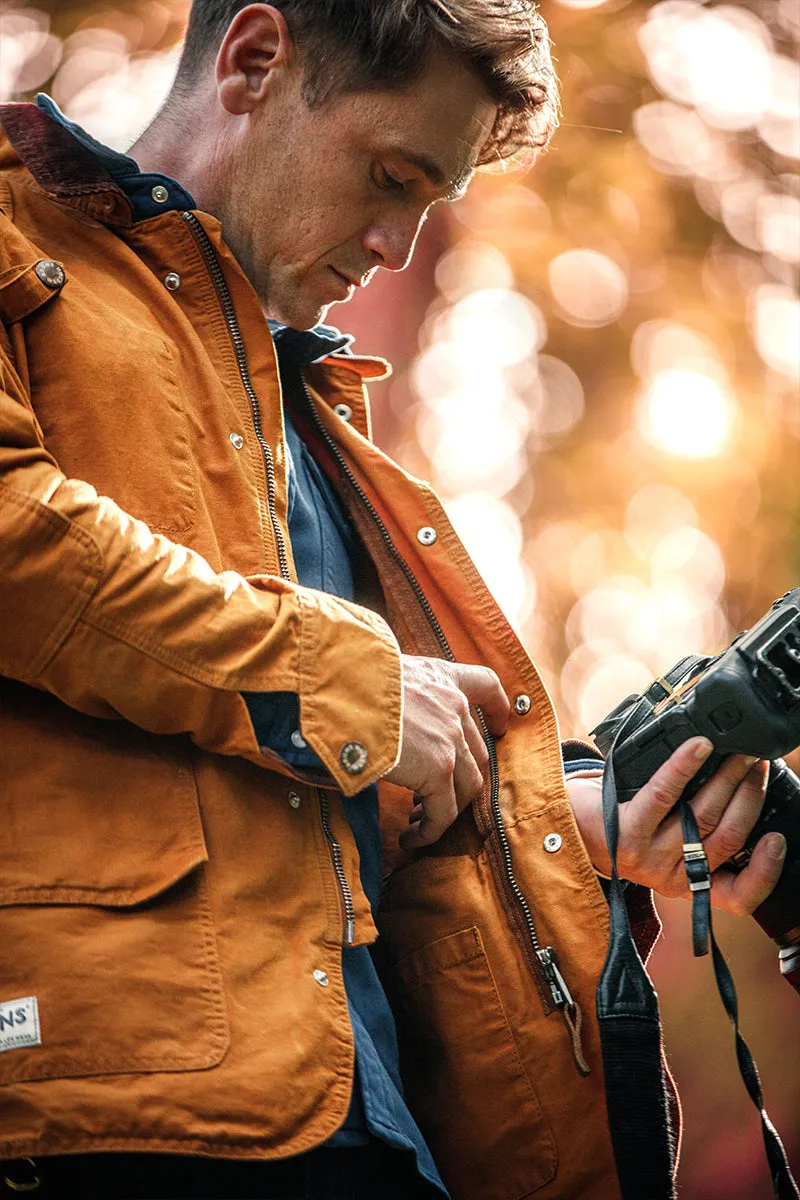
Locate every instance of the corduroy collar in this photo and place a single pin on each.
(62, 166)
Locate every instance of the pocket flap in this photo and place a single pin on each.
(94, 812)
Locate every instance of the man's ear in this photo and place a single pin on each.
(255, 53)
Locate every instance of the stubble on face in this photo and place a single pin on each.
(299, 206)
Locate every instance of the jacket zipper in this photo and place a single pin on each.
(542, 961)
(229, 313)
(338, 867)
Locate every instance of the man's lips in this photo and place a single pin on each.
(343, 283)
(348, 279)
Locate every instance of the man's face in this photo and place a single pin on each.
(319, 198)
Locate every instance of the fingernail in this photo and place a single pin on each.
(750, 761)
(776, 846)
(703, 749)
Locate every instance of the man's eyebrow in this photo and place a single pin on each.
(434, 173)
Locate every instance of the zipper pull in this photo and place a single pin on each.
(350, 932)
(562, 998)
(558, 987)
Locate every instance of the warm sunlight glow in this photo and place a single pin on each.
(686, 413)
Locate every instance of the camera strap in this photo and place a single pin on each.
(643, 1140)
(699, 876)
(642, 1137)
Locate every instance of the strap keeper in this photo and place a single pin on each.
(698, 872)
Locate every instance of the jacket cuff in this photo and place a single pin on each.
(276, 723)
(350, 690)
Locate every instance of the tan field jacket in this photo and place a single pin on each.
(168, 892)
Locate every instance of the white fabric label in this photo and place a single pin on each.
(19, 1023)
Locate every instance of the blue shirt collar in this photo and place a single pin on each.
(302, 346)
(137, 185)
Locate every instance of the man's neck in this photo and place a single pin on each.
(178, 143)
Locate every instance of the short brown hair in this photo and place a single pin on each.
(363, 45)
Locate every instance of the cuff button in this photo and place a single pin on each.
(51, 273)
(353, 757)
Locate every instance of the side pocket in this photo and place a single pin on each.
(105, 920)
(111, 991)
(465, 1081)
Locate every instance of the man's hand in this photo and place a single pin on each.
(443, 755)
(651, 839)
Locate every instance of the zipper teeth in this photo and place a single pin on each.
(338, 866)
(494, 773)
(221, 287)
(229, 313)
(494, 778)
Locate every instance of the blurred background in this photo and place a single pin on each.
(598, 366)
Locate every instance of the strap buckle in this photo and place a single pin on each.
(698, 871)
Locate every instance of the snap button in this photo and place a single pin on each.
(522, 705)
(51, 273)
(160, 194)
(552, 842)
(298, 740)
(343, 410)
(321, 978)
(172, 281)
(353, 757)
(237, 441)
(427, 535)
(294, 800)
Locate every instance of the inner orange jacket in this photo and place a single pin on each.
(167, 890)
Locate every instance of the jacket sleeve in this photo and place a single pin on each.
(120, 622)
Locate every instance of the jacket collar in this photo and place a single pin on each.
(62, 166)
(68, 170)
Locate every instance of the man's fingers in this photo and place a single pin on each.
(482, 687)
(415, 837)
(467, 775)
(471, 765)
(728, 807)
(741, 894)
(436, 812)
(658, 797)
(443, 755)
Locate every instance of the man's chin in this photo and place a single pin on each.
(297, 316)
(300, 308)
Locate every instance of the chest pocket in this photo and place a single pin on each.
(108, 395)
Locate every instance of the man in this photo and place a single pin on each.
(226, 618)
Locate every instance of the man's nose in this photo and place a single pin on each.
(390, 241)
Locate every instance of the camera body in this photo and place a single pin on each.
(745, 700)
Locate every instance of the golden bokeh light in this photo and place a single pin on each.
(655, 510)
(469, 266)
(701, 56)
(686, 413)
(589, 288)
(658, 346)
(775, 321)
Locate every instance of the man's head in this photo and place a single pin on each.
(331, 127)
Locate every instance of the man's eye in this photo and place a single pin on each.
(386, 181)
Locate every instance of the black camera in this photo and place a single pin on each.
(745, 700)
